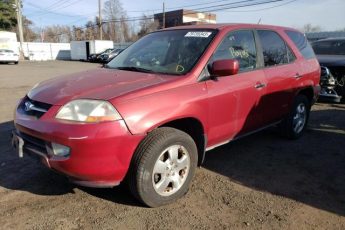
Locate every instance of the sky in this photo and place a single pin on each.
(328, 14)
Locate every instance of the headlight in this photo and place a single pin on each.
(85, 110)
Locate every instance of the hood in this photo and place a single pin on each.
(102, 84)
(331, 60)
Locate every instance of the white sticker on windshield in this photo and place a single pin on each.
(198, 34)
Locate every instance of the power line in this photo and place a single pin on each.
(204, 10)
(56, 4)
(56, 13)
(213, 8)
(50, 10)
(228, 6)
(181, 7)
(267, 8)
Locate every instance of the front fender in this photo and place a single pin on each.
(143, 114)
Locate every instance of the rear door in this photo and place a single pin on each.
(281, 72)
(233, 100)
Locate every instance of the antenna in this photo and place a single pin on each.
(259, 21)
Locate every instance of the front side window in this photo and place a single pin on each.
(239, 45)
(275, 50)
(169, 52)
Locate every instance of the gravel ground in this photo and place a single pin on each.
(259, 182)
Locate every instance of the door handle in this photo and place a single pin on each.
(259, 85)
(297, 75)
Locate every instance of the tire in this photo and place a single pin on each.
(293, 126)
(16, 63)
(162, 167)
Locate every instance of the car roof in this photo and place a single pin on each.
(221, 26)
(331, 39)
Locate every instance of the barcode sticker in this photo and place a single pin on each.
(198, 34)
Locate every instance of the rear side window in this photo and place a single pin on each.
(302, 44)
(239, 45)
(275, 50)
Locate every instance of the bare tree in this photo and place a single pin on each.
(28, 32)
(90, 31)
(308, 28)
(125, 29)
(56, 33)
(147, 25)
(78, 33)
(116, 26)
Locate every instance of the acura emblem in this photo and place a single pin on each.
(28, 106)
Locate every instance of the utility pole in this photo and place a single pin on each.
(20, 24)
(100, 19)
(163, 15)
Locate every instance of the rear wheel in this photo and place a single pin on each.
(163, 167)
(295, 123)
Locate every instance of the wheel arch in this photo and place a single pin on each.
(308, 92)
(193, 127)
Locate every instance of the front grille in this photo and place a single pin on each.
(33, 108)
(33, 146)
(33, 142)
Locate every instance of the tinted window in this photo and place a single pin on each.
(302, 44)
(274, 48)
(335, 47)
(291, 55)
(239, 45)
(170, 52)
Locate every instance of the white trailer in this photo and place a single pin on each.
(8, 40)
(80, 50)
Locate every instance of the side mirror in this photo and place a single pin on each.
(226, 67)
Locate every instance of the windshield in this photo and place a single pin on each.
(169, 52)
(334, 47)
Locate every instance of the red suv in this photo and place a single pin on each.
(151, 114)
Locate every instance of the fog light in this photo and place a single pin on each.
(58, 150)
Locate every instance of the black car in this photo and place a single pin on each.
(105, 58)
(96, 57)
(331, 55)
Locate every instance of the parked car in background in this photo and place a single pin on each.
(105, 58)
(8, 56)
(331, 55)
(9, 51)
(151, 115)
(97, 57)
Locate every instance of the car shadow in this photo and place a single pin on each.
(309, 170)
(26, 174)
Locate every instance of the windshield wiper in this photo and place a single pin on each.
(133, 68)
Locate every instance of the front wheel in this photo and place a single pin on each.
(163, 167)
(295, 123)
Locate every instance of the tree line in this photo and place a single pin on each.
(115, 26)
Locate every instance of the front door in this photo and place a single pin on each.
(234, 101)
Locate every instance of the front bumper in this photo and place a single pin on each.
(100, 154)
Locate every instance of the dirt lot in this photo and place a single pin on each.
(259, 182)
